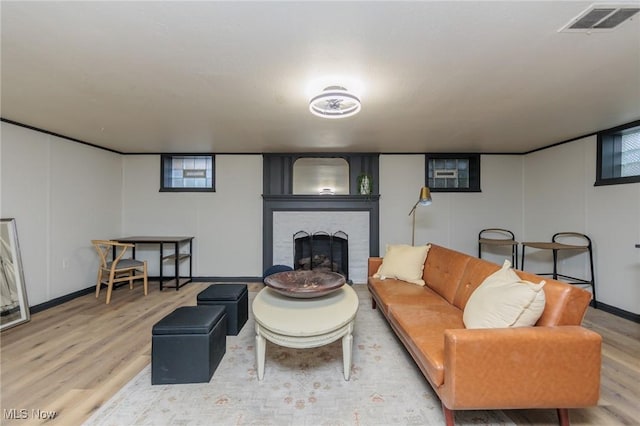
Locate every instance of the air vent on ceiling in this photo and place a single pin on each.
(601, 17)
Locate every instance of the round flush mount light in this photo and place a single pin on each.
(335, 102)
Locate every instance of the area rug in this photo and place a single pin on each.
(300, 387)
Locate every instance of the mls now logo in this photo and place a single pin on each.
(43, 415)
(23, 414)
(15, 414)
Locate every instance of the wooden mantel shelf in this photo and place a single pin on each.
(288, 197)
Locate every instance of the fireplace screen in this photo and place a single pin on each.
(321, 251)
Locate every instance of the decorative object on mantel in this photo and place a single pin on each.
(365, 183)
(327, 191)
(304, 284)
(423, 200)
(335, 102)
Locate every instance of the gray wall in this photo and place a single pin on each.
(63, 194)
(560, 196)
(226, 224)
(453, 219)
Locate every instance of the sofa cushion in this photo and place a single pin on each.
(404, 263)
(476, 271)
(422, 331)
(443, 270)
(391, 291)
(564, 304)
(504, 300)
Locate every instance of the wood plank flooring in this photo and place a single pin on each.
(72, 358)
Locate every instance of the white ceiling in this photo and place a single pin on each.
(456, 76)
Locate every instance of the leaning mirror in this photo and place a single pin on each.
(320, 176)
(15, 309)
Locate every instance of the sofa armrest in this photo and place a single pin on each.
(374, 265)
(532, 367)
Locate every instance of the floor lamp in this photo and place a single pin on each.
(423, 200)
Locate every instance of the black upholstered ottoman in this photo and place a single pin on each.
(188, 344)
(234, 297)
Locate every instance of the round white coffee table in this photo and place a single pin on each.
(305, 323)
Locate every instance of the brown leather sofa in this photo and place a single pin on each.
(554, 364)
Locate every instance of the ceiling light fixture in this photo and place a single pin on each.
(335, 102)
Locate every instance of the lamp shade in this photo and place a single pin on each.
(425, 196)
(423, 200)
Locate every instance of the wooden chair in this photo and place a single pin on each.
(118, 269)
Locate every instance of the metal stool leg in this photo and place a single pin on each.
(593, 278)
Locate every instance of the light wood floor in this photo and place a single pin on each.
(72, 358)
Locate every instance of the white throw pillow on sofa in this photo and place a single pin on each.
(404, 262)
(504, 300)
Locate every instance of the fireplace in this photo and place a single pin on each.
(322, 251)
(357, 216)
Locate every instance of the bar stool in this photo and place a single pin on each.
(556, 246)
(499, 237)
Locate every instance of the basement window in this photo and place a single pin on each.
(619, 155)
(187, 173)
(453, 172)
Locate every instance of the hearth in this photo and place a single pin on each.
(321, 251)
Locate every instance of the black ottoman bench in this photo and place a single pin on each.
(234, 297)
(188, 344)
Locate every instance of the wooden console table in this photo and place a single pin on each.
(176, 256)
